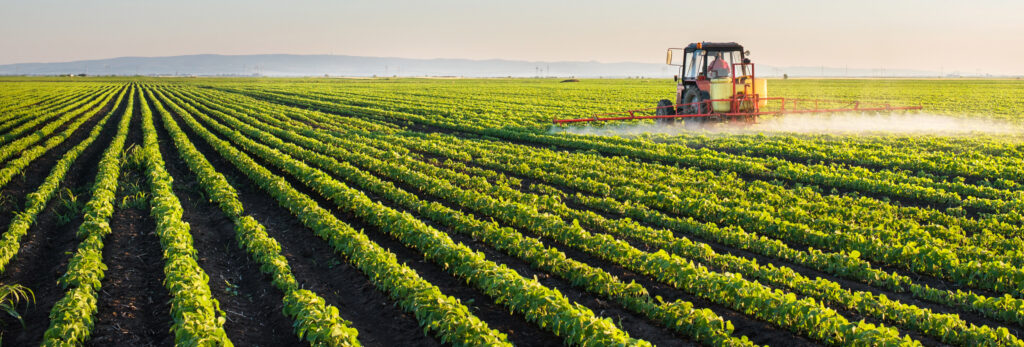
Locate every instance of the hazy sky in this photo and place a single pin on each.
(965, 36)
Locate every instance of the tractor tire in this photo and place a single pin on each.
(665, 111)
(694, 95)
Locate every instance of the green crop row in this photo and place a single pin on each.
(14, 141)
(546, 307)
(840, 263)
(734, 291)
(702, 324)
(885, 182)
(10, 242)
(198, 319)
(949, 328)
(443, 315)
(315, 321)
(45, 105)
(72, 317)
(918, 257)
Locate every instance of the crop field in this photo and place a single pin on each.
(423, 212)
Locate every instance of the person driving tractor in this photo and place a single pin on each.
(719, 67)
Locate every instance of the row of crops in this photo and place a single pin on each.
(426, 212)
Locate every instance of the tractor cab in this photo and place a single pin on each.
(714, 79)
(697, 59)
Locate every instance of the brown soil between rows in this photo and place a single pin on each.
(13, 121)
(427, 128)
(758, 331)
(318, 268)
(49, 244)
(253, 306)
(907, 298)
(133, 307)
(637, 325)
(12, 195)
(519, 331)
(103, 104)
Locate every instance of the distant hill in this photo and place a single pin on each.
(343, 65)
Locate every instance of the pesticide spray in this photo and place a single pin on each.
(840, 124)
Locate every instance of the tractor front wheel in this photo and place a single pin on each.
(694, 98)
(665, 108)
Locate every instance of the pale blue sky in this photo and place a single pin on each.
(964, 36)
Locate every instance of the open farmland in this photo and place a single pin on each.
(422, 212)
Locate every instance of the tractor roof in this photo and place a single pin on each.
(715, 47)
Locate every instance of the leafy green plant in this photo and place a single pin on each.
(443, 315)
(842, 259)
(69, 206)
(138, 200)
(13, 294)
(10, 241)
(7, 201)
(745, 222)
(134, 158)
(230, 288)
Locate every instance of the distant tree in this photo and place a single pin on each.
(785, 76)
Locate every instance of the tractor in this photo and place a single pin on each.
(716, 83)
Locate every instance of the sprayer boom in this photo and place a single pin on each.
(785, 106)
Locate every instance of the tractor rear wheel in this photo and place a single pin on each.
(665, 109)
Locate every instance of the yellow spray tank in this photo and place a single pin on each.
(721, 88)
(760, 88)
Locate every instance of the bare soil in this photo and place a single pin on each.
(758, 331)
(133, 306)
(318, 268)
(49, 243)
(904, 297)
(637, 325)
(252, 305)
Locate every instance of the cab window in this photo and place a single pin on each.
(695, 64)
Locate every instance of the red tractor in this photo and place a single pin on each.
(716, 83)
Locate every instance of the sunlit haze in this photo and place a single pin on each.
(968, 37)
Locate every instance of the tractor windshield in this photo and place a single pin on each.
(721, 64)
(694, 64)
(698, 63)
